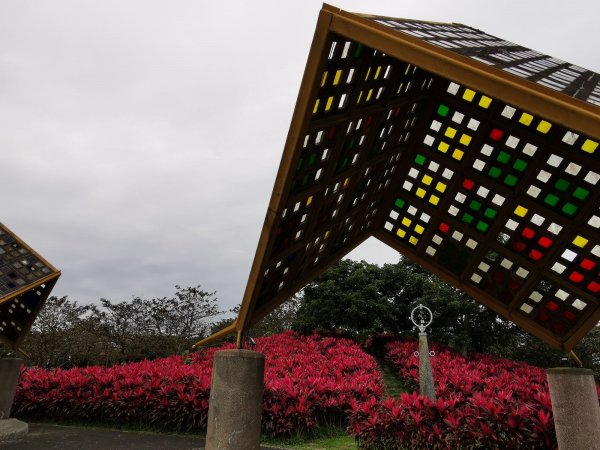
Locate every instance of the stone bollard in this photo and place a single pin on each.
(426, 383)
(575, 408)
(10, 369)
(235, 405)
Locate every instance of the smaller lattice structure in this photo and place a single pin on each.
(26, 280)
(473, 156)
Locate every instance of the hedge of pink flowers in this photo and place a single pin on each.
(482, 402)
(307, 379)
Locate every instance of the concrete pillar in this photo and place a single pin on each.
(426, 383)
(235, 404)
(575, 407)
(10, 369)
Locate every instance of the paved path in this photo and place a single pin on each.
(58, 437)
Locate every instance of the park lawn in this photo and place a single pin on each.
(325, 438)
(331, 443)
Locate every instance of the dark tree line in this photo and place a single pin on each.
(68, 334)
(355, 299)
(361, 299)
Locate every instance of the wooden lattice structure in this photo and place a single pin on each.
(26, 280)
(473, 156)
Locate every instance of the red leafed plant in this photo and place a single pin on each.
(483, 402)
(307, 379)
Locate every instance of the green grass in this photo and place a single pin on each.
(333, 443)
(392, 383)
(324, 438)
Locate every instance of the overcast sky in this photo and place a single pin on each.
(140, 140)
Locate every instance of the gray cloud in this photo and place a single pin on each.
(140, 139)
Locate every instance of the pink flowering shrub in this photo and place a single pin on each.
(482, 402)
(307, 379)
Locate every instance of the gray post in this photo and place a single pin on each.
(235, 405)
(575, 407)
(10, 369)
(426, 383)
(10, 429)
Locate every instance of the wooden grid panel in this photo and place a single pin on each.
(19, 266)
(516, 187)
(556, 309)
(484, 178)
(512, 58)
(26, 280)
(362, 117)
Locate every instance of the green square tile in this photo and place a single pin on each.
(562, 184)
(443, 110)
(511, 180)
(482, 226)
(358, 51)
(551, 200)
(420, 159)
(299, 166)
(305, 180)
(494, 172)
(399, 203)
(520, 165)
(490, 213)
(503, 157)
(581, 193)
(467, 218)
(475, 205)
(312, 159)
(569, 209)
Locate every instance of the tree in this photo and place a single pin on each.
(346, 298)
(64, 333)
(362, 299)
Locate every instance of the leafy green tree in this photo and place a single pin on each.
(362, 299)
(346, 298)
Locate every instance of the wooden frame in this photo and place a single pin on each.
(373, 104)
(20, 305)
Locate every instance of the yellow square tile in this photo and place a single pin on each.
(450, 132)
(589, 146)
(434, 200)
(443, 147)
(413, 240)
(419, 229)
(401, 232)
(543, 126)
(441, 187)
(526, 119)
(469, 94)
(309, 200)
(485, 102)
(420, 193)
(465, 139)
(458, 154)
(329, 103)
(316, 107)
(406, 222)
(521, 211)
(580, 241)
(427, 180)
(338, 75)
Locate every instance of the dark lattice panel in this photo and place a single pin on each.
(516, 215)
(364, 111)
(497, 199)
(513, 58)
(26, 280)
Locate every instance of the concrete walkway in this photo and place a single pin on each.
(58, 437)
